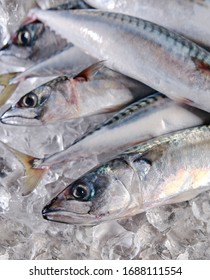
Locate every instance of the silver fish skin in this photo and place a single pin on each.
(70, 62)
(147, 118)
(66, 98)
(183, 66)
(169, 169)
(152, 116)
(189, 18)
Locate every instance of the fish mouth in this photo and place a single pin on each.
(64, 216)
(19, 120)
(27, 117)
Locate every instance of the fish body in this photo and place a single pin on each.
(152, 116)
(67, 98)
(70, 62)
(147, 118)
(188, 18)
(169, 169)
(183, 66)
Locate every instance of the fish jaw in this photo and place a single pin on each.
(19, 116)
(10, 119)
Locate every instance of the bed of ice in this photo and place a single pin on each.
(179, 231)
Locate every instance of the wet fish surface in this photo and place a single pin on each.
(183, 66)
(67, 98)
(169, 169)
(151, 116)
(188, 18)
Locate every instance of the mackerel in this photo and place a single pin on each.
(165, 170)
(190, 18)
(162, 59)
(152, 116)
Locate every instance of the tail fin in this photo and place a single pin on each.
(33, 175)
(9, 88)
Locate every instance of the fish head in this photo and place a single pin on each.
(32, 42)
(98, 196)
(29, 109)
(45, 104)
(22, 46)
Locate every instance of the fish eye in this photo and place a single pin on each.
(81, 192)
(24, 38)
(29, 100)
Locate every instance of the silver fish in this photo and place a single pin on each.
(190, 18)
(137, 48)
(152, 116)
(68, 98)
(166, 170)
(147, 118)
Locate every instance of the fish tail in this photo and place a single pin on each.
(5, 78)
(9, 88)
(33, 174)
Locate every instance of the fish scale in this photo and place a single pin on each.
(174, 137)
(193, 50)
(168, 169)
(183, 66)
(171, 14)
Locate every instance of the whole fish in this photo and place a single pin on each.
(152, 116)
(190, 18)
(140, 49)
(66, 98)
(169, 169)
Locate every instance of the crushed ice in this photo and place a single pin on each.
(180, 231)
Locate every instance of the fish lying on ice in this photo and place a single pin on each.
(147, 118)
(140, 49)
(65, 98)
(190, 18)
(169, 169)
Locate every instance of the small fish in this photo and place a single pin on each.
(189, 18)
(169, 169)
(67, 98)
(151, 116)
(142, 50)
